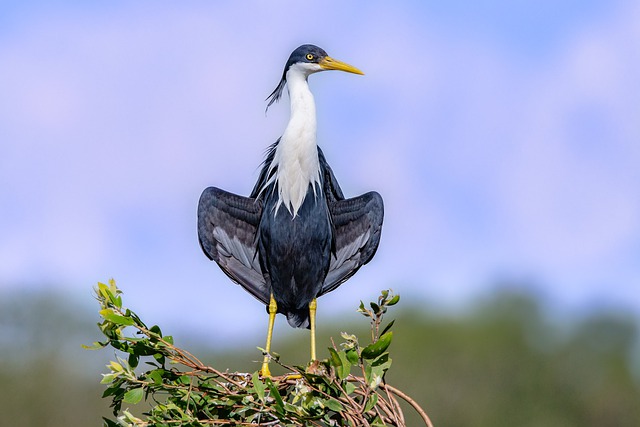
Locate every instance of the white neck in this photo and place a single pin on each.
(296, 155)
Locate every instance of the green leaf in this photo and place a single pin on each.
(377, 422)
(112, 316)
(276, 395)
(334, 405)
(133, 360)
(159, 357)
(108, 378)
(184, 379)
(350, 387)
(258, 386)
(367, 373)
(115, 366)
(110, 293)
(334, 358)
(129, 417)
(377, 369)
(383, 361)
(371, 402)
(386, 328)
(108, 423)
(377, 348)
(156, 376)
(97, 345)
(103, 290)
(394, 300)
(134, 395)
(375, 307)
(115, 391)
(340, 363)
(363, 310)
(352, 356)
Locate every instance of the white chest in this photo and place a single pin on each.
(298, 166)
(296, 156)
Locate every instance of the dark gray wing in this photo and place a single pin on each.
(357, 225)
(227, 225)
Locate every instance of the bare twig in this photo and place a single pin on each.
(411, 402)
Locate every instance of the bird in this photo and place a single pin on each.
(295, 237)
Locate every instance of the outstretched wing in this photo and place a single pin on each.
(227, 225)
(357, 223)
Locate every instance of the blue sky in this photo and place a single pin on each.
(503, 136)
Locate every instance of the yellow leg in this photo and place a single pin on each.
(312, 319)
(312, 324)
(273, 309)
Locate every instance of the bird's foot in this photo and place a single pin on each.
(293, 377)
(315, 368)
(265, 372)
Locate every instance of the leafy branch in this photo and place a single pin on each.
(183, 391)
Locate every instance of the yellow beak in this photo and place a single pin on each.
(328, 63)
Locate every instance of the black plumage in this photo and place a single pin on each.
(298, 259)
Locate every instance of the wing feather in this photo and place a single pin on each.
(227, 225)
(358, 223)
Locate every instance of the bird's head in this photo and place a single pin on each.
(308, 59)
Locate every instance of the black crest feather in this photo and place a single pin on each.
(277, 92)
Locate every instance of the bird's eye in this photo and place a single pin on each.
(309, 56)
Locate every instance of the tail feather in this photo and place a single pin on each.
(298, 318)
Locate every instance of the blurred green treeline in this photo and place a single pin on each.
(503, 362)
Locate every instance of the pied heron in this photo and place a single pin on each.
(295, 237)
